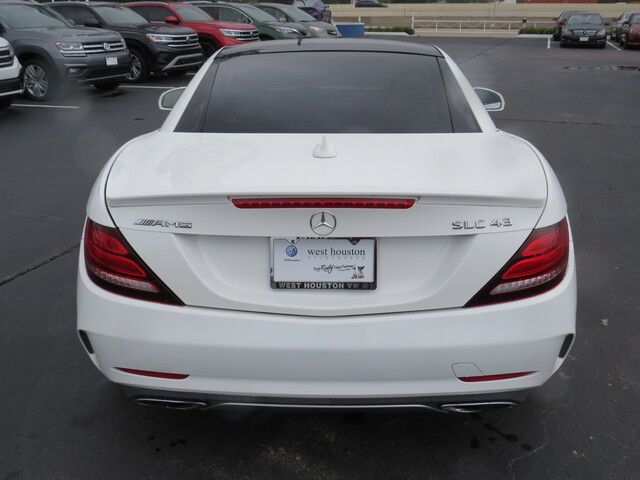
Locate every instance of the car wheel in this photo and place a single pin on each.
(139, 67)
(208, 48)
(555, 37)
(38, 80)
(5, 103)
(107, 86)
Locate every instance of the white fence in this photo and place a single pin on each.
(433, 24)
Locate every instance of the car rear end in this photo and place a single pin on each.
(261, 263)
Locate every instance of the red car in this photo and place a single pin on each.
(630, 34)
(212, 34)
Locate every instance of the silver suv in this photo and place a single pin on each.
(54, 52)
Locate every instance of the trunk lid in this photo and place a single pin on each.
(477, 195)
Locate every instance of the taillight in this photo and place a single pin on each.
(112, 264)
(538, 266)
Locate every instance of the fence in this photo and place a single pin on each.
(430, 23)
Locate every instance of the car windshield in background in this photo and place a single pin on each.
(257, 14)
(30, 16)
(192, 14)
(309, 3)
(328, 92)
(582, 19)
(296, 14)
(119, 15)
(636, 20)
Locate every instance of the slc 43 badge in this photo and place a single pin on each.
(480, 223)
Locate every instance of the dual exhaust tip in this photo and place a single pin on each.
(459, 407)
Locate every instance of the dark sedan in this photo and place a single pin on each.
(584, 29)
(616, 26)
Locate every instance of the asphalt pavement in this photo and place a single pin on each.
(61, 419)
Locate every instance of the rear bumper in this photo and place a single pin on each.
(10, 87)
(265, 358)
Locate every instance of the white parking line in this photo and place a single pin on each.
(29, 105)
(611, 44)
(157, 87)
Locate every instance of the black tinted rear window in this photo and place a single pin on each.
(328, 92)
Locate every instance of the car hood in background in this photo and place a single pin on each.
(78, 34)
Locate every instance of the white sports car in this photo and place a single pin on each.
(328, 223)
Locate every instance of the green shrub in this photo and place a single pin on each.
(537, 30)
(408, 30)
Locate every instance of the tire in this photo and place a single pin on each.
(209, 47)
(5, 102)
(139, 67)
(107, 86)
(40, 83)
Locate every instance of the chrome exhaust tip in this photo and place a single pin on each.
(476, 407)
(172, 403)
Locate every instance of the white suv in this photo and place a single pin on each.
(9, 75)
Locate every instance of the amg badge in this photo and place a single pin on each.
(151, 222)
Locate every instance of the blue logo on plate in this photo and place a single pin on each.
(292, 251)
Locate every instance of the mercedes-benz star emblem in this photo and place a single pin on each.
(323, 223)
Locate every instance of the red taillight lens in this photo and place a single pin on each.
(323, 202)
(538, 266)
(113, 265)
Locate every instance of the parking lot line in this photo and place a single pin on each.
(157, 87)
(611, 44)
(29, 105)
(548, 43)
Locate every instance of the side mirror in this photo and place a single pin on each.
(172, 20)
(92, 24)
(169, 98)
(492, 100)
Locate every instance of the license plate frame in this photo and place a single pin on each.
(111, 61)
(327, 284)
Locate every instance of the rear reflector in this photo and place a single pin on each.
(498, 376)
(112, 264)
(538, 266)
(324, 202)
(147, 373)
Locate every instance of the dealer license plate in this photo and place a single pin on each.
(112, 60)
(323, 264)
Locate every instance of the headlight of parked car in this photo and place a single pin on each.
(71, 49)
(317, 29)
(602, 33)
(287, 30)
(159, 38)
(233, 33)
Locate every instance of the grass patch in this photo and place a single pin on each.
(407, 30)
(537, 30)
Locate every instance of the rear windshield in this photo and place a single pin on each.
(328, 92)
(297, 14)
(31, 16)
(585, 18)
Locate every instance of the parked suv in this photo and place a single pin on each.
(618, 23)
(213, 35)
(630, 34)
(269, 28)
(54, 52)
(10, 85)
(153, 48)
(289, 13)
